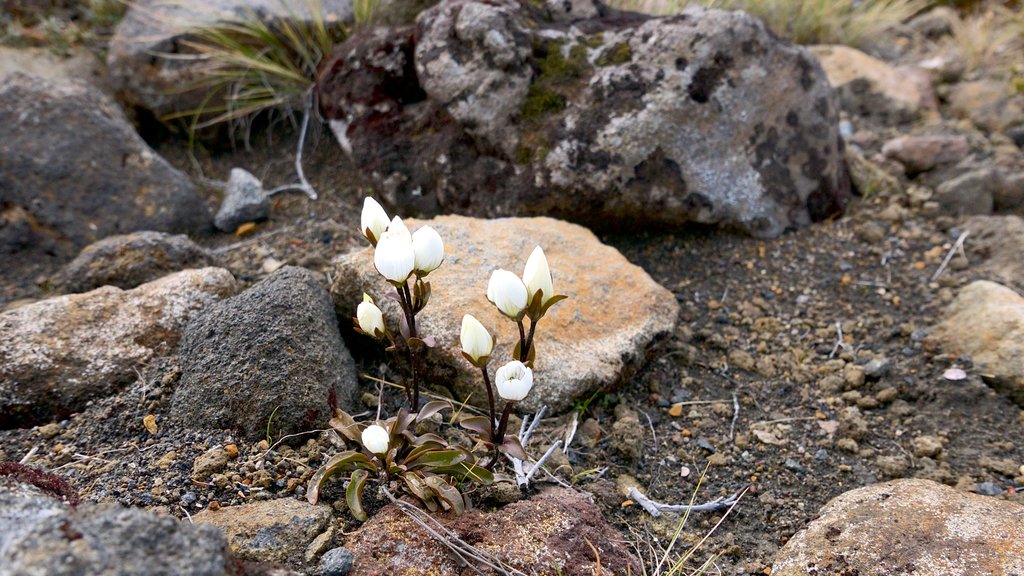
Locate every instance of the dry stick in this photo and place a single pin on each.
(949, 255)
(735, 415)
(449, 539)
(655, 508)
(303, 185)
(839, 340)
(540, 463)
(522, 479)
(30, 454)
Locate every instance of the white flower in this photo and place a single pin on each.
(394, 256)
(374, 220)
(369, 316)
(537, 276)
(507, 292)
(475, 340)
(513, 381)
(397, 225)
(376, 439)
(429, 249)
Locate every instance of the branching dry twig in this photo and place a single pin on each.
(656, 508)
(303, 185)
(957, 247)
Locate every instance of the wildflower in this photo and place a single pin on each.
(374, 220)
(537, 277)
(508, 293)
(369, 318)
(376, 439)
(429, 250)
(477, 343)
(513, 381)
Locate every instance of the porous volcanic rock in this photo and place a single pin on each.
(620, 120)
(545, 534)
(57, 354)
(270, 531)
(145, 56)
(590, 341)
(128, 260)
(914, 527)
(870, 88)
(270, 358)
(986, 321)
(73, 171)
(42, 536)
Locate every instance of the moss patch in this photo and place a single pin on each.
(541, 101)
(618, 54)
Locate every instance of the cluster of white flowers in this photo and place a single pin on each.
(515, 296)
(398, 254)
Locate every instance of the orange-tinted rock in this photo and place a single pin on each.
(594, 339)
(57, 354)
(545, 535)
(914, 527)
(269, 531)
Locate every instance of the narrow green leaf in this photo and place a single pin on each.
(354, 494)
(447, 493)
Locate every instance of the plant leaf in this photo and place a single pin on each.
(354, 494)
(343, 462)
(466, 471)
(431, 408)
(346, 425)
(510, 445)
(434, 458)
(478, 424)
(446, 493)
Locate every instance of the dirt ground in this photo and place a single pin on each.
(755, 385)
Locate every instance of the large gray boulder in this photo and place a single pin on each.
(73, 171)
(39, 535)
(502, 108)
(270, 358)
(57, 354)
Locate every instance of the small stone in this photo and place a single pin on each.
(927, 446)
(718, 459)
(589, 433)
(892, 466)
(319, 545)
(741, 359)
(877, 368)
(335, 562)
(627, 434)
(149, 421)
(988, 489)
(244, 201)
(49, 431)
(165, 461)
(232, 451)
(870, 232)
(886, 395)
(504, 492)
(853, 375)
(1001, 466)
(676, 410)
(969, 193)
(210, 462)
(848, 445)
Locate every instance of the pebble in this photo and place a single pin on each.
(49, 431)
(210, 462)
(335, 562)
(877, 368)
(927, 446)
(988, 489)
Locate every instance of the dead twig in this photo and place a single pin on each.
(30, 454)
(957, 247)
(303, 185)
(735, 416)
(839, 341)
(539, 464)
(656, 508)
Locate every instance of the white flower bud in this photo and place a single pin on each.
(429, 249)
(369, 316)
(376, 439)
(476, 341)
(537, 276)
(513, 381)
(398, 226)
(507, 292)
(394, 257)
(374, 220)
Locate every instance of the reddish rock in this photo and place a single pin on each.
(545, 535)
(922, 153)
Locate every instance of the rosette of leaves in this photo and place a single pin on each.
(424, 466)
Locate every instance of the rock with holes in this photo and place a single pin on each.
(267, 361)
(595, 339)
(57, 354)
(128, 260)
(550, 533)
(43, 536)
(73, 171)
(149, 57)
(575, 110)
(270, 531)
(914, 527)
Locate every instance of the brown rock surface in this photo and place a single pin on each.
(995, 246)
(57, 354)
(986, 321)
(546, 534)
(914, 527)
(269, 531)
(921, 153)
(594, 339)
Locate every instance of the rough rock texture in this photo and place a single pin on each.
(129, 260)
(73, 171)
(79, 63)
(244, 201)
(986, 321)
(57, 354)
(546, 534)
(270, 531)
(594, 339)
(914, 527)
(270, 357)
(991, 105)
(617, 121)
(922, 153)
(40, 536)
(870, 88)
(970, 193)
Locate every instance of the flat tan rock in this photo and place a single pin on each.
(595, 338)
(271, 530)
(986, 321)
(914, 527)
(57, 354)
